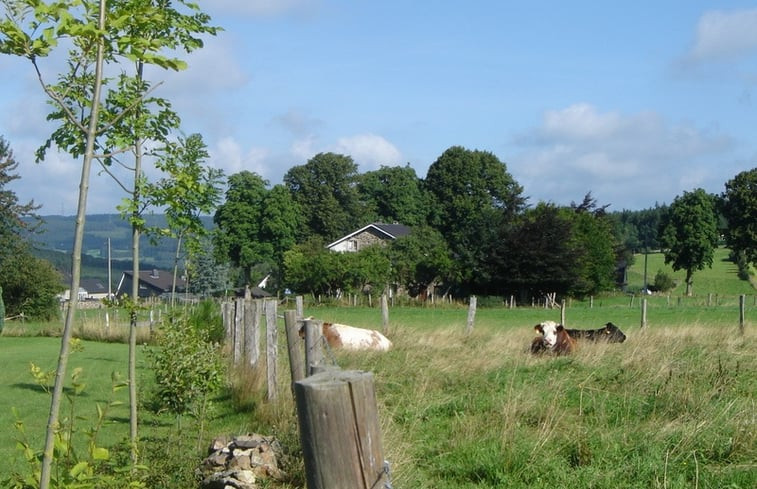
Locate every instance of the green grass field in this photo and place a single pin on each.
(672, 407)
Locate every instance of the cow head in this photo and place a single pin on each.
(548, 329)
(613, 334)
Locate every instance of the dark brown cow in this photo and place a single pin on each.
(609, 333)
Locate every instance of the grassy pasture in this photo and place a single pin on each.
(675, 406)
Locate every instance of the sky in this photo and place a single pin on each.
(635, 102)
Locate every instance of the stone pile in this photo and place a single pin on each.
(240, 462)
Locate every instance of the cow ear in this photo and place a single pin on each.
(560, 327)
(539, 329)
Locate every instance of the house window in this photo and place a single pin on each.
(352, 245)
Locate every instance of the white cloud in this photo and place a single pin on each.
(725, 35)
(626, 160)
(370, 151)
(228, 155)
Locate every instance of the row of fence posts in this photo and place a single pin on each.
(336, 409)
(472, 313)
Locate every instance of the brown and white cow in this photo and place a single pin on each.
(554, 338)
(352, 338)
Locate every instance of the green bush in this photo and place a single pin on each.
(206, 318)
(663, 282)
(188, 368)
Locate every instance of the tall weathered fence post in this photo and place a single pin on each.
(742, 315)
(562, 313)
(471, 315)
(299, 307)
(384, 314)
(339, 431)
(238, 335)
(313, 345)
(272, 346)
(251, 322)
(296, 365)
(643, 313)
(227, 316)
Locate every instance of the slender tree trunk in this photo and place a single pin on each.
(175, 269)
(133, 430)
(60, 374)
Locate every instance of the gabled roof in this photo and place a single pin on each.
(389, 231)
(93, 286)
(157, 279)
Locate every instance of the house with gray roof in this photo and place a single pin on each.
(375, 233)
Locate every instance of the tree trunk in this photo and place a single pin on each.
(175, 270)
(135, 230)
(52, 420)
(689, 282)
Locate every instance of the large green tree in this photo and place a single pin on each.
(255, 225)
(689, 233)
(420, 259)
(28, 284)
(595, 249)
(12, 212)
(325, 189)
(473, 196)
(537, 254)
(738, 204)
(393, 195)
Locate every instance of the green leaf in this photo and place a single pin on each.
(79, 470)
(100, 453)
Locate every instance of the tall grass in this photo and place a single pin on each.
(672, 407)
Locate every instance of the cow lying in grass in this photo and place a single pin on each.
(609, 333)
(554, 338)
(352, 338)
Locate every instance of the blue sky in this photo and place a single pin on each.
(635, 102)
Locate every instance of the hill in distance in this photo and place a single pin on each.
(55, 240)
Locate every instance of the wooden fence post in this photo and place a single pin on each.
(562, 313)
(272, 346)
(471, 315)
(226, 316)
(643, 313)
(313, 345)
(339, 431)
(299, 307)
(296, 365)
(238, 336)
(384, 314)
(742, 314)
(252, 331)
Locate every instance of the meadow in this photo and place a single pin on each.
(672, 407)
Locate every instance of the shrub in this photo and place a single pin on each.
(663, 282)
(206, 318)
(187, 367)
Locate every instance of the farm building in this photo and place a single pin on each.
(369, 235)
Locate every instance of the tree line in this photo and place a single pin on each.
(472, 230)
